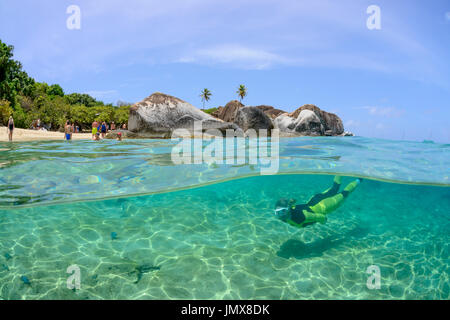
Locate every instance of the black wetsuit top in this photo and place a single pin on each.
(298, 216)
(11, 126)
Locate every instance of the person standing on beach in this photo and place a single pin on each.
(103, 128)
(94, 128)
(10, 128)
(72, 130)
(68, 129)
(113, 126)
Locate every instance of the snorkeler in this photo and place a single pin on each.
(317, 208)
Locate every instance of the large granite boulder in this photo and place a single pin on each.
(306, 124)
(284, 123)
(216, 113)
(271, 111)
(160, 114)
(253, 118)
(309, 120)
(229, 112)
(332, 124)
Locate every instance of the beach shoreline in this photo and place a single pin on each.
(24, 135)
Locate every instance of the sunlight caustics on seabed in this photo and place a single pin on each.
(221, 240)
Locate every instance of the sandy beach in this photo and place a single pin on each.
(36, 135)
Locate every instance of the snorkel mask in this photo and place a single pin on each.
(282, 208)
(282, 213)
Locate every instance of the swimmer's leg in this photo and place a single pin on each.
(327, 193)
(328, 205)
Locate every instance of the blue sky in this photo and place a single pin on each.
(390, 83)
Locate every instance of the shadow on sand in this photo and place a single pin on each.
(300, 250)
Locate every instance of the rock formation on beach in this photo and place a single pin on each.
(229, 112)
(246, 117)
(332, 124)
(252, 118)
(160, 114)
(271, 111)
(310, 120)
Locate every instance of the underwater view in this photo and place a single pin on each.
(139, 226)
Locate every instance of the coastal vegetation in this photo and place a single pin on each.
(242, 92)
(205, 95)
(28, 100)
(210, 110)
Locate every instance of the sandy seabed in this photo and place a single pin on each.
(222, 242)
(36, 135)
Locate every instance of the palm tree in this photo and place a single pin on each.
(242, 92)
(206, 95)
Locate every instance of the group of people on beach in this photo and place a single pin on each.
(101, 129)
(98, 129)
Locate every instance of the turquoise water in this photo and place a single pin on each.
(139, 227)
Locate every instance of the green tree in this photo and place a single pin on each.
(28, 100)
(104, 113)
(12, 79)
(205, 95)
(242, 92)
(5, 111)
(82, 99)
(82, 115)
(22, 119)
(55, 90)
(121, 114)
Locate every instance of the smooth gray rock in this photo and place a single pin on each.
(270, 111)
(229, 112)
(309, 120)
(329, 121)
(160, 114)
(308, 123)
(253, 118)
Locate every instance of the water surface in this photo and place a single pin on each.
(208, 231)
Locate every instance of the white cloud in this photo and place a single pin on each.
(235, 54)
(263, 34)
(245, 57)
